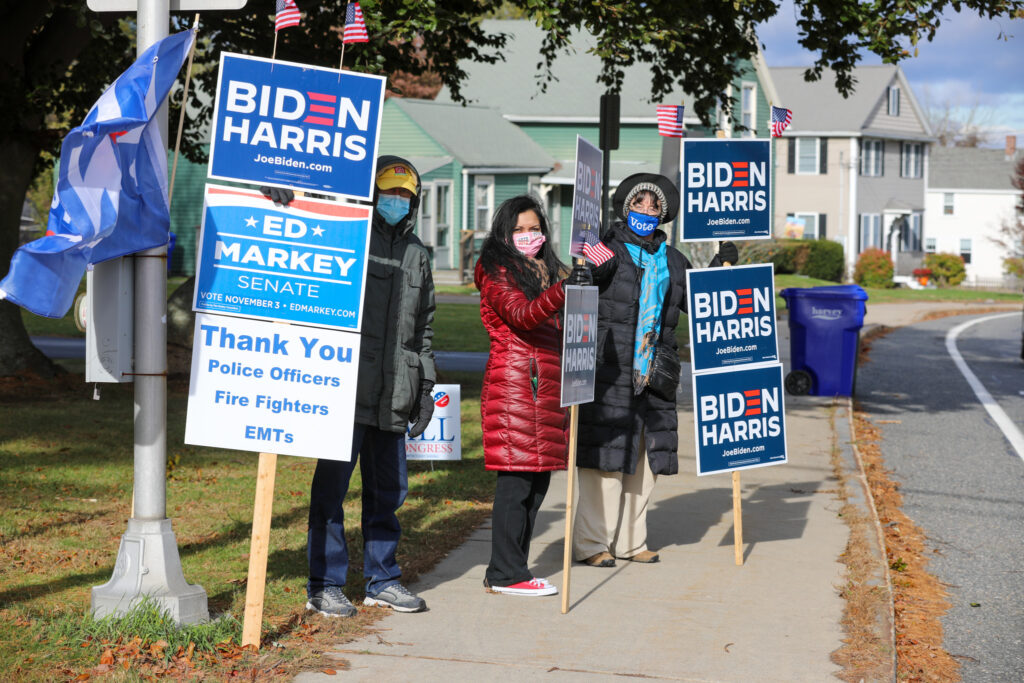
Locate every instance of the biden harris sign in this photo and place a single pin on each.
(726, 189)
(731, 316)
(301, 126)
(740, 419)
(304, 263)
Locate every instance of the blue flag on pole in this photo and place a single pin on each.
(111, 196)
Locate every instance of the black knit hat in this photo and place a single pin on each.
(662, 187)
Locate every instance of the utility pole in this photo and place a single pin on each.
(148, 565)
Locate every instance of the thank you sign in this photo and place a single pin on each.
(296, 125)
(266, 387)
(442, 440)
(726, 189)
(740, 419)
(579, 345)
(732, 316)
(304, 263)
(586, 198)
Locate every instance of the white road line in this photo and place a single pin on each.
(1010, 430)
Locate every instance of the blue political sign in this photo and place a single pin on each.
(725, 189)
(586, 199)
(732, 316)
(296, 125)
(740, 419)
(304, 263)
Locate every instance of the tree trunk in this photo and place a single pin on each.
(17, 354)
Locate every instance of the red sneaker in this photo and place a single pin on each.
(532, 587)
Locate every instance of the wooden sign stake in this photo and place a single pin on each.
(737, 518)
(574, 414)
(259, 547)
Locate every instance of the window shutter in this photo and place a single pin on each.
(821, 225)
(791, 159)
(823, 156)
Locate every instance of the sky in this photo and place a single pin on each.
(967, 64)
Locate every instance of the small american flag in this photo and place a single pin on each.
(597, 253)
(670, 120)
(355, 27)
(287, 14)
(781, 118)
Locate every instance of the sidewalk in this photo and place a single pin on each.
(695, 616)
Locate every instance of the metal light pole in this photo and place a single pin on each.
(148, 565)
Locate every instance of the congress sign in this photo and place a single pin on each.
(304, 263)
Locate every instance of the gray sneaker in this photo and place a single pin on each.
(398, 598)
(331, 602)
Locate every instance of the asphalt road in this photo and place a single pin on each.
(962, 480)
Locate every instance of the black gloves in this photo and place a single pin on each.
(580, 275)
(422, 409)
(728, 253)
(279, 195)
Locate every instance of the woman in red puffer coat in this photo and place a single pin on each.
(524, 426)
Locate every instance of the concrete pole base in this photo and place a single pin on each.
(148, 566)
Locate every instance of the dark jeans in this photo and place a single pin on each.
(381, 457)
(517, 497)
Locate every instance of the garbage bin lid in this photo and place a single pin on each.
(855, 292)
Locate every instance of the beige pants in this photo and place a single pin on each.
(612, 511)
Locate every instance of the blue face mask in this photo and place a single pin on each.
(641, 223)
(392, 208)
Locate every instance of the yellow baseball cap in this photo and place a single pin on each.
(397, 175)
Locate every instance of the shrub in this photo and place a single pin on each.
(821, 259)
(874, 268)
(947, 269)
(824, 260)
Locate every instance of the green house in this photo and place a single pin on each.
(470, 160)
(570, 107)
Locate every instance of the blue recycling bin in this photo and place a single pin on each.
(824, 338)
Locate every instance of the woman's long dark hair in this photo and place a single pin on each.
(498, 251)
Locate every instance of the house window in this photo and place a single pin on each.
(442, 213)
(912, 158)
(483, 201)
(749, 110)
(910, 236)
(965, 251)
(870, 231)
(894, 101)
(807, 161)
(947, 203)
(929, 245)
(871, 158)
(810, 223)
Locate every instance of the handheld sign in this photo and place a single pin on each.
(442, 440)
(725, 189)
(296, 125)
(740, 419)
(304, 263)
(586, 199)
(266, 387)
(579, 345)
(732, 316)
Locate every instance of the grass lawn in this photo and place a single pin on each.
(65, 493)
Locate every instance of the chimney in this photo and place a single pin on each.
(1011, 146)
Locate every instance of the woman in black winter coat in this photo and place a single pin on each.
(628, 435)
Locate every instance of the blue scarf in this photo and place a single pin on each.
(653, 287)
